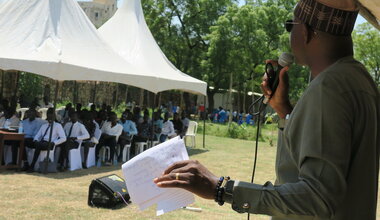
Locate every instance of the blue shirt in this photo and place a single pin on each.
(31, 127)
(129, 127)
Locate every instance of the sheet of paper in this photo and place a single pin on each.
(140, 171)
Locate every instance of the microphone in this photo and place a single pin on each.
(286, 59)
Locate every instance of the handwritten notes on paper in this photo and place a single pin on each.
(140, 171)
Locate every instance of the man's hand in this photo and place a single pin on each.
(279, 101)
(192, 176)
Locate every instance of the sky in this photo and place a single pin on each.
(360, 19)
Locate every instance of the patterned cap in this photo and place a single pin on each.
(335, 21)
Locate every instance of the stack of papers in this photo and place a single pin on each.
(140, 172)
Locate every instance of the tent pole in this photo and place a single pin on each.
(204, 123)
(153, 109)
(45, 171)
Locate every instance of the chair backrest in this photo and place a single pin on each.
(43, 112)
(22, 111)
(192, 129)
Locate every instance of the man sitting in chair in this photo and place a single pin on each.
(31, 126)
(93, 130)
(75, 133)
(111, 131)
(167, 129)
(129, 129)
(42, 137)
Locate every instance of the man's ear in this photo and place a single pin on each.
(308, 33)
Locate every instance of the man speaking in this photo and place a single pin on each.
(328, 152)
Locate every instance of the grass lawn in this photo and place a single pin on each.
(64, 195)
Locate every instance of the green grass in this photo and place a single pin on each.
(64, 195)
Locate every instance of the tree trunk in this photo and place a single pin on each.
(229, 104)
(244, 99)
(159, 99)
(126, 94)
(94, 94)
(141, 102)
(210, 99)
(187, 99)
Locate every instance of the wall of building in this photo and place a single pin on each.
(99, 11)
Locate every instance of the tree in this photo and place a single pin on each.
(367, 49)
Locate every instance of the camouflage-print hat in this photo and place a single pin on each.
(336, 17)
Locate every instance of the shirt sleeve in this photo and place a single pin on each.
(133, 129)
(171, 129)
(83, 133)
(320, 145)
(60, 133)
(39, 134)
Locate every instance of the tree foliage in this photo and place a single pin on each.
(367, 49)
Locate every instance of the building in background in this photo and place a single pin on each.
(99, 11)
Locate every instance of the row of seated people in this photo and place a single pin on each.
(87, 133)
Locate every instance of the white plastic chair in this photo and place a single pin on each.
(127, 152)
(75, 158)
(22, 111)
(191, 132)
(105, 150)
(140, 147)
(7, 154)
(43, 111)
(41, 157)
(91, 152)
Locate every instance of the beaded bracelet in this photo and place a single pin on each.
(219, 191)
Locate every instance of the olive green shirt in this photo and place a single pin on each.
(328, 154)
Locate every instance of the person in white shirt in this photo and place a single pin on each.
(64, 113)
(31, 126)
(129, 130)
(185, 122)
(94, 132)
(75, 133)
(167, 129)
(43, 136)
(9, 119)
(111, 131)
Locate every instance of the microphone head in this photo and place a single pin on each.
(286, 59)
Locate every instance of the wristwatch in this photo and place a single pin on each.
(282, 122)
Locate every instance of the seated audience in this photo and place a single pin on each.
(178, 126)
(64, 113)
(31, 126)
(185, 122)
(111, 131)
(92, 128)
(43, 136)
(137, 119)
(157, 125)
(144, 130)
(9, 119)
(75, 133)
(129, 129)
(102, 119)
(78, 108)
(167, 129)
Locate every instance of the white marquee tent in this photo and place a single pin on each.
(370, 9)
(54, 38)
(128, 34)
